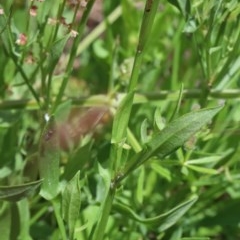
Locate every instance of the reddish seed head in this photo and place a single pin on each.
(22, 39)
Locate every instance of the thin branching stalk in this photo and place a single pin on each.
(59, 15)
(97, 31)
(101, 100)
(73, 52)
(147, 22)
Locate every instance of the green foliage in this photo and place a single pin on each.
(122, 123)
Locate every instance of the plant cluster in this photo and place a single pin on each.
(119, 119)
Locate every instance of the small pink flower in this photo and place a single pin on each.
(1, 11)
(33, 10)
(83, 3)
(73, 33)
(22, 39)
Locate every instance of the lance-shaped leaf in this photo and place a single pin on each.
(71, 203)
(49, 156)
(163, 221)
(173, 136)
(121, 119)
(18, 192)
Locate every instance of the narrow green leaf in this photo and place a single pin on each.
(177, 233)
(176, 110)
(195, 238)
(164, 172)
(103, 183)
(159, 121)
(179, 131)
(121, 119)
(17, 192)
(119, 130)
(202, 169)
(164, 221)
(172, 216)
(204, 160)
(173, 136)
(49, 156)
(71, 203)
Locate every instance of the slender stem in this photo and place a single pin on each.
(133, 141)
(52, 40)
(25, 78)
(56, 207)
(76, 43)
(101, 100)
(16, 62)
(176, 56)
(150, 10)
(147, 22)
(59, 15)
(99, 230)
(38, 215)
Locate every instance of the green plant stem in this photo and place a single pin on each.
(51, 71)
(133, 141)
(101, 100)
(25, 78)
(150, 10)
(147, 22)
(38, 215)
(73, 52)
(56, 207)
(59, 15)
(177, 56)
(99, 230)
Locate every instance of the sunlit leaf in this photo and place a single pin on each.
(202, 169)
